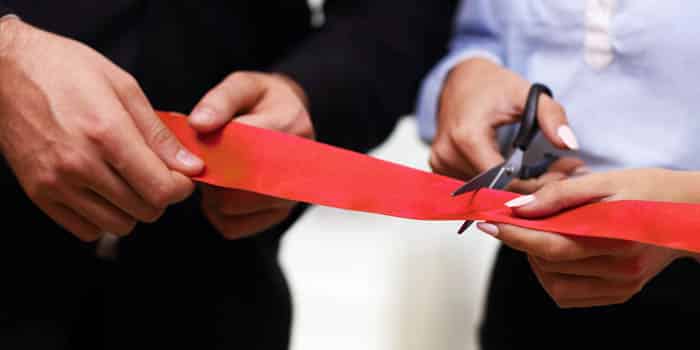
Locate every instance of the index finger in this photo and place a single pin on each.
(556, 247)
(127, 152)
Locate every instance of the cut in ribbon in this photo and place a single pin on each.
(285, 166)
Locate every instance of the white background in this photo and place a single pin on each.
(363, 281)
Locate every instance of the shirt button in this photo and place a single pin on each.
(598, 49)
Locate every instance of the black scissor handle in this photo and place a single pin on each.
(528, 124)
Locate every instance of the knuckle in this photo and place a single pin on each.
(124, 227)
(168, 192)
(128, 85)
(436, 163)
(558, 290)
(298, 122)
(558, 203)
(460, 137)
(637, 287)
(100, 131)
(562, 304)
(554, 194)
(243, 77)
(552, 189)
(88, 236)
(227, 208)
(634, 268)
(280, 215)
(45, 183)
(543, 264)
(235, 235)
(555, 252)
(237, 82)
(151, 215)
(183, 190)
(231, 230)
(622, 299)
(160, 135)
(70, 164)
(161, 196)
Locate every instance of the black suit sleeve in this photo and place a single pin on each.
(362, 70)
(4, 10)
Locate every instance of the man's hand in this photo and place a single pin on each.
(478, 98)
(82, 138)
(263, 100)
(586, 272)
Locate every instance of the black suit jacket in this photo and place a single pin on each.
(177, 281)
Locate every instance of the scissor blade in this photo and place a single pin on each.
(485, 179)
(466, 225)
(502, 181)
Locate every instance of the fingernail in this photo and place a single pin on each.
(520, 201)
(188, 159)
(567, 135)
(487, 228)
(202, 116)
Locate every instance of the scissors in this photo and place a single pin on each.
(501, 175)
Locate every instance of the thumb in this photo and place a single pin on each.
(237, 94)
(555, 125)
(168, 147)
(156, 134)
(558, 196)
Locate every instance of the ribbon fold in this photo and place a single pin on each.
(285, 166)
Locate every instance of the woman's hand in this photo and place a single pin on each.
(479, 97)
(586, 272)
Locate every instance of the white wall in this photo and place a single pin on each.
(363, 281)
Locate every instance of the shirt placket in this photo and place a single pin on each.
(598, 42)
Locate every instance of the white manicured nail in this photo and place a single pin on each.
(487, 228)
(567, 135)
(520, 201)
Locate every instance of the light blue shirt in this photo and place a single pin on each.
(626, 71)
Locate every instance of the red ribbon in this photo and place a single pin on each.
(285, 166)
